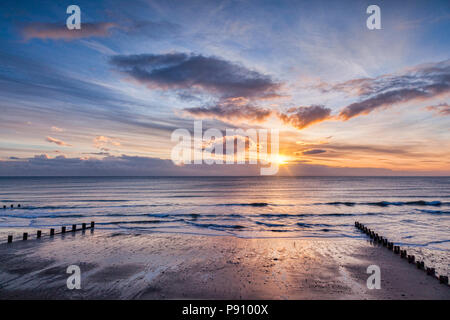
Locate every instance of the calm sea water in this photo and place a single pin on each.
(409, 211)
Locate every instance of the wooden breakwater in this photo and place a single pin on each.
(401, 252)
(53, 231)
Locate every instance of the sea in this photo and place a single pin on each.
(412, 212)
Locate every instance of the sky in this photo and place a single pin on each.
(105, 100)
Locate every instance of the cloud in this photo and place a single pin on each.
(302, 117)
(98, 153)
(234, 140)
(57, 141)
(233, 109)
(56, 129)
(442, 109)
(340, 149)
(57, 31)
(382, 100)
(356, 87)
(418, 83)
(191, 72)
(124, 165)
(313, 151)
(103, 143)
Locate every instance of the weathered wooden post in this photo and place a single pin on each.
(10, 238)
(63, 229)
(431, 271)
(38, 234)
(25, 236)
(74, 227)
(52, 232)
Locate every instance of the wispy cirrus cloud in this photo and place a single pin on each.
(151, 29)
(59, 31)
(57, 141)
(442, 109)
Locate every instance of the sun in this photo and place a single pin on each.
(279, 159)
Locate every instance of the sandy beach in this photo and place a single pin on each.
(181, 266)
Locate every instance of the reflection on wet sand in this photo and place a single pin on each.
(163, 266)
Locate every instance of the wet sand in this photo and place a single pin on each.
(181, 266)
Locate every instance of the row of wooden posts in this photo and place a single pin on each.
(12, 206)
(52, 231)
(397, 250)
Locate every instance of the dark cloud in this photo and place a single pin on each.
(181, 71)
(302, 117)
(338, 150)
(231, 110)
(56, 31)
(442, 109)
(43, 165)
(313, 151)
(419, 83)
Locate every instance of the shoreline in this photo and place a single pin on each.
(118, 265)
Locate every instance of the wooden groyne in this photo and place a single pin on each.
(12, 206)
(402, 253)
(53, 232)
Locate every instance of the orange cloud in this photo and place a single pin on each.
(103, 142)
(302, 117)
(57, 141)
